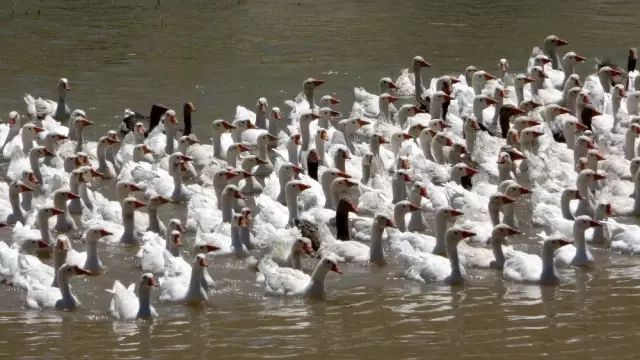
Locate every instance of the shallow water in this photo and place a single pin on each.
(217, 54)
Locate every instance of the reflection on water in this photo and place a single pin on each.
(132, 53)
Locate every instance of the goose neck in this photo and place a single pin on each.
(292, 151)
(342, 224)
(170, 135)
(441, 230)
(366, 173)
(154, 221)
(128, 222)
(636, 203)
(398, 189)
(579, 240)
(14, 199)
(629, 146)
(498, 254)
(452, 254)
(232, 158)
(43, 223)
(217, 145)
(34, 161)
(565, 202)
(418, 84)
(435, 109)
(548, 268)
(425, 144)
(292, 205)
(384, 111)
(398, 218)
(477, 111)
(604, 81)
(65, 291)
(615, 105)
(235, 239)
(295, 259)
(305, 134)
(309, 95)
(376, 251)
(144, 309)
(402, 118)
(101, 152)
(632, 104)
(509, 215)
(227, 208)
(27, 142)
(339, 161)
(195, 283)
(274, 127)
(93, 261)
(59, 258)
(261, 120)
(438, 153)
(519, 95)
(494, 214)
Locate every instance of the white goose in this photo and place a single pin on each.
(529, 268)
(125, 305)
(60, 298)
(186, 288)
(291, 282)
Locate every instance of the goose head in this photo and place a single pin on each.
(31, 130)
(125, 187)
(328, 100)
(419, 63)
(584, 143)
(529, 105)
(265, 138)
(158, 200)
(17, 187)
(302, 244)
(219, 126)
(251, 161)
(241, 125)
(386, 84)
(34, 245)
(540, 60)
(175, 239)
(573, 126)
(309, 85)
(89, 173)
(552, 244)
(521, 80)
(440, 97)
(501, 231)
(496, 200)
(382, 221)
(587, 176)
(275, 114)
(322, 134)
(67, 270)
(455, 235)
(232, 192)
(398, 138)
(328, 263)
(537, 73)
(130, 204)
(445, 83)
(503, 66)
(515, 190)
(471, 124)
(175, 224)
(28, 177)
(513, 152)
(571, 58)
(402, 208)
(442, 140)
(481, 77)
(618, 92)
(552, 42)
(51, 140)
(140, 150)
(186, 141)
(62, 195)
(46, 212)
(460, 170)
(583, 222)
(105, 141)
(528, 135)
(327, 112)
(62, 245)
(420, 189)
(262, 105)
(468, 73)
(387, 99)
(603, 210)
(39, 152)
(607, 72)
(593, 155)
(147, 282)
(288, 171)
(523, 122)
(94, 233)
(498, 93)
(13, 118)
(331, 174)
(573, 81)
(459, 149)
(569, 194)
(483, 101)
(169, 119)
(445, 214)
(200, 262)
(553, 110)
(295, 187)
(308, 117)
(80, 120)
(63, 87)
(409, 110)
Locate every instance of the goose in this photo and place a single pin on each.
(286, 249)
(40, 108)
(405, 80)
(498, 239)
(289, 282)
(9, 131)
(60, 298)
(27, 233)
(305, 100)
(186, 288)
(528, 268)
(429, 268)
(130, 236)
(578, 254)
(125, 305)
(14, 215)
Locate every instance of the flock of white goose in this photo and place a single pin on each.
(274, 190)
